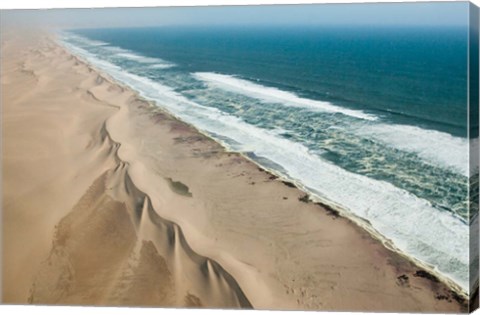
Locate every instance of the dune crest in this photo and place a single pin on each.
(109, 248)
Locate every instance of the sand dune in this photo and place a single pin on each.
(110, 201)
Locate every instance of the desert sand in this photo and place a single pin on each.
(108, 200)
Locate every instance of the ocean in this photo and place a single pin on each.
(372, 121)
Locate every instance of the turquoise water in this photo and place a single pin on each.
(373, 121)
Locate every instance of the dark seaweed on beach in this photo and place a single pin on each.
(426, 275)
(442, 297)
(305, 199)
(330, 211)
(460, 299)
(291, 185)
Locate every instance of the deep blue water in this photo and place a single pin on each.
(410, 75)
(370, 120)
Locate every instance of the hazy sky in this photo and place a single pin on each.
(434, 13)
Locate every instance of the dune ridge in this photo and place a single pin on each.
(155, 213)
(141, 241)
(79, 271)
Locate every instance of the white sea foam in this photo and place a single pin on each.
(116, 49)
(139, 58)
(161, 66)
(433, 146)
(127, 54)
(438, 148)
(413, 224)
(90, 42)
(274, 95)
(97, 43)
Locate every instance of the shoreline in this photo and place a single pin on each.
(258, 286)
(331, 207)
(411, 247)
(324, 204)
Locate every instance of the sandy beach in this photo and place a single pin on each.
(108, 200)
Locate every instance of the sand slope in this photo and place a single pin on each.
(107, 200)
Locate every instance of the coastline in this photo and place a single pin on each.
(214, 192)
(309, 196)
(381, 204)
